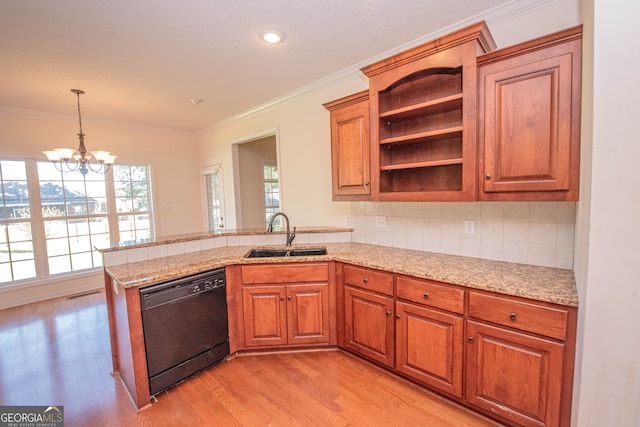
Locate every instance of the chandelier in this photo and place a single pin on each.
(70, 160)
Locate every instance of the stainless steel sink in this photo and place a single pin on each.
(270, 253)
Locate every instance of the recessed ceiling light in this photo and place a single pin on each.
(272, 36)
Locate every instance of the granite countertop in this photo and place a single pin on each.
(537, 283)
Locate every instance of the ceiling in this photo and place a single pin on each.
(142, 62)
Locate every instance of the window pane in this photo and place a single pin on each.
(4, 252)
(59, 264)
(138, 173)
(21, 251)
(100, 241)
(124, 205)
(99, 225)
(19, 231)
(55, 228)
(24, 270)
(5, 272)
(57, 247)
(14, 203)
(81, 261)
(80, 244)
(97, 259)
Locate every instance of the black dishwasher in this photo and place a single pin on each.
(185, 327)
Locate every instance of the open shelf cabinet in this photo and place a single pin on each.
(422, 111)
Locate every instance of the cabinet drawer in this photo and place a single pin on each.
(369, 279)
(289, 273)
(538, 319)
(430, 293)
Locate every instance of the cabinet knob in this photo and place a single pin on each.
(289, 297)
(487, 176)
(388, 313)
(512, 316)
(281, 298)
(365, 280)
(397, 316)
(426, 295)
(470, 339)
(366, 183)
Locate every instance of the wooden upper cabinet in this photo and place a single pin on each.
(529, 119)
(350, 147)
(422, 106)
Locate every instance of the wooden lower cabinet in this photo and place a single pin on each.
(429, 346)
(514, 375)
(510, 358)
(283, 305)
(265, 315)
(369, 326)
(291, 314)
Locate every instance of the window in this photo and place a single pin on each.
(17, 259)
(271, 191)
(53, 222)
(132, 202)
(213, 200)
(74, 212)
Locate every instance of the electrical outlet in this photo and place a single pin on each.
(469, 227)
(381, 222)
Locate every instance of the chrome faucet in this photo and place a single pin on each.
(290, 236)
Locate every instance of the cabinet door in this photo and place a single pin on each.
(429, 346)
(530, 124)
(369, 324)
(350, 147)
(265, 315)
(514, 375)
(308, 313)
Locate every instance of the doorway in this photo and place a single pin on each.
(257, 181)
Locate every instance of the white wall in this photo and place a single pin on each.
(608, 249)
(174, 168)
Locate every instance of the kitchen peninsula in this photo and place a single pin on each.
(478, 314)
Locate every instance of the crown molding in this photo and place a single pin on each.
(498, 14)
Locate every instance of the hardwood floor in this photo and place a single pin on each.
(57, 352)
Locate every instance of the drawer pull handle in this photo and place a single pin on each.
(426, 294)
(471, 339)
(512, 316)
(365, 280)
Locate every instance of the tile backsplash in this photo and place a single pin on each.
(536, 233)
